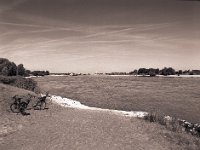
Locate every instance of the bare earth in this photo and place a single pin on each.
(62, 128)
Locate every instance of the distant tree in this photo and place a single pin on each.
(164, 71)
(143, 71)
(21, 70)
(10, 69)
(171, 71)
(167, 71)
(179, 72)
(40, 73)
(134, 72)
(27, 73)
(152, 72)
(47, 73)
(157, 71)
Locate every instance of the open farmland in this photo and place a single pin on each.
(178, 97)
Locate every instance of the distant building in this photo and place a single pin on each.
(73, 74)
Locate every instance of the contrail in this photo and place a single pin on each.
(146, 27)
(26, 25)
(40, 26)
(27, 32)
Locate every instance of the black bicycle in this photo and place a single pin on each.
(19, 106)
(41, 103)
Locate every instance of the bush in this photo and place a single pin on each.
(156, 117)
(173, 124)
(7, 80)
(20, 82)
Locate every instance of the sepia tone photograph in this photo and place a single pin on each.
(99, 74)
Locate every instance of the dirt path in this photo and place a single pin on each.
(64, 128)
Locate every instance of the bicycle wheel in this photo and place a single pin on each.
(23, 105)
(14, 108)
(42, 105)
(35, 106)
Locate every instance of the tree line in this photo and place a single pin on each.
(165, 71)
(8, 68)
(155, 71)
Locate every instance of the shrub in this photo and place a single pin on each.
(6, 80)
(155, 117)
(173, 124)
(18, 81)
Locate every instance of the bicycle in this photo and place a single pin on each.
(41, 103)
(18, 106)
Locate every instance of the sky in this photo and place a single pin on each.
(100, 35)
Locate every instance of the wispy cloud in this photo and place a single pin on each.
(104, 32)
(137, 29)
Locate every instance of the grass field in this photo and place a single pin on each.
(178, 97)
